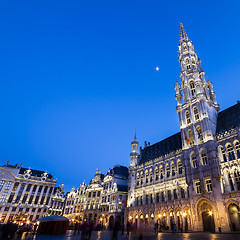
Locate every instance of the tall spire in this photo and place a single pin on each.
(183, 34)
(135, 136)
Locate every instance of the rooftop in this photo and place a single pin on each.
(227, 119)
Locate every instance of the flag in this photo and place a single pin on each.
(186, 138)
(199, 133)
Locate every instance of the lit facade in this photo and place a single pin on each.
(191, 179)
(25, 194)
(102, 201)
(57, 202)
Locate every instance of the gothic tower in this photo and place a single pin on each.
(134, 155)
(198, 110)
(196, 101)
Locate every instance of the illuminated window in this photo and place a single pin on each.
(194, 161)
(204, 158)
(223, 154)
(208, 183)
(197, 187)
(168, 171)
(169, 195)
(237, 147)
(151, 178)
(157, 174)
(173, 170)
(231, 155)
(161, 172)
(1, 184)
(237, 179)
(162, 197)
(196, 115)
(146, 176)
(187, 61)
(3, 197)
(188, 117)
(192, 88)
(180, 171)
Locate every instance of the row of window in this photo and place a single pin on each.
(230, 152)
(203, 156)
(208, 186)
(15, 195)
(161, 197)
(159, 173)
(196, 115)
(235, 177)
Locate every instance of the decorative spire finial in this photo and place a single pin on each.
(183, 34)
(135, 136)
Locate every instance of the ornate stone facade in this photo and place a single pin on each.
(25, 194)
(102, 201)
(190, 180)
(57, 203)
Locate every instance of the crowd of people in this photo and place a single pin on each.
(11, 229)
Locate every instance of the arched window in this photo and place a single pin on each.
(137, 179)
(196, 115)
(237, 148)
(151, 175)
(146, 176)
(188, 117)
(199, 132)
(223, 154)
(192, 88)
(184, 46)
(231, 155)
(230, 181)
(194, 160)
(141, 177)
(173, 169)
(204, 158)
(168, 170)
(156, 174)
(161, 172)
(180, 169)
(191, 139)
(193, 61)
(237, 179)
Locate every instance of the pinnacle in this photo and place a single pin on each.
(183, 34)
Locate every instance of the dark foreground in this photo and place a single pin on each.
(106, 235)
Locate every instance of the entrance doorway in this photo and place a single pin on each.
(234, 215)
(111, 222)
(208, 222)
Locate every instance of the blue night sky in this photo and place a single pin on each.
(78, 77)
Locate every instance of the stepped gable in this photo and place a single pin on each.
(161, 148)
(228, 118)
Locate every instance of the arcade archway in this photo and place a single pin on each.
(234, 215)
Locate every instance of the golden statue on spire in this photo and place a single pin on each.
(98, 171)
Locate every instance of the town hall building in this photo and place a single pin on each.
(191, 180)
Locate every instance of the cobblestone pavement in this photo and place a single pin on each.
(105, 235)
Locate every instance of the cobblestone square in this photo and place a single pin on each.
(107, 235)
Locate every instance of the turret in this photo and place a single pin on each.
(134, 154)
